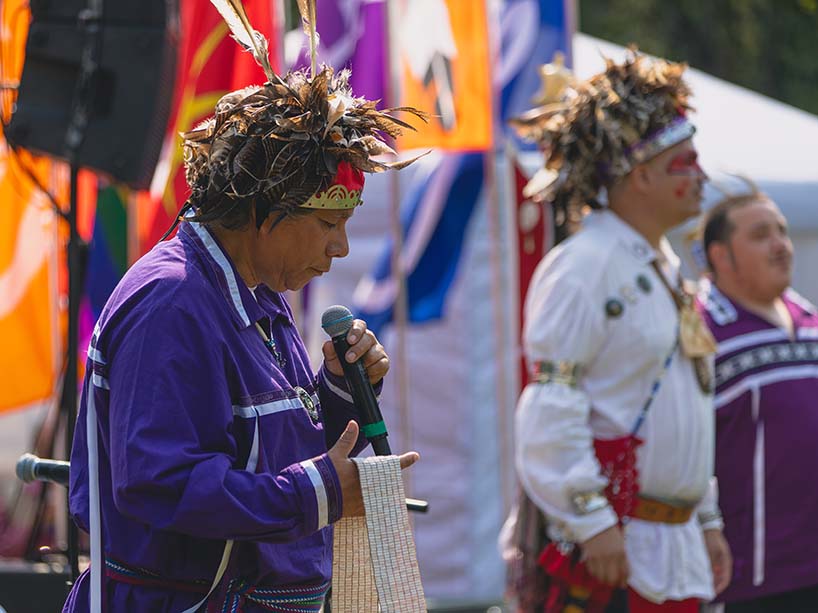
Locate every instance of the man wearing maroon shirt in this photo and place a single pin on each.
(766, 407)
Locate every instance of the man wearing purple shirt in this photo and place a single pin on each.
(200, 465)
(766, 417)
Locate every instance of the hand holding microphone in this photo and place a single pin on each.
(351, 339)
(355, 353)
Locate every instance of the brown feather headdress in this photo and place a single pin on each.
(277, 145)
(601, 128)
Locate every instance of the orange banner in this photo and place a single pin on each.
(32, 317)
(444, 63)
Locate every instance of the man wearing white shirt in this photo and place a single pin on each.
(615, 433)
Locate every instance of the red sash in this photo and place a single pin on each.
(571, 583)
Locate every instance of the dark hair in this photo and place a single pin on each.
(235, 213)
(715, 225)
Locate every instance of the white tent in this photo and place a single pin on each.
(461, 378)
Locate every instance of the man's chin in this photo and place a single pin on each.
(300, 283)
(686, 215)
(777, 283)
(694, 210)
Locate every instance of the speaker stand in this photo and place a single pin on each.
(75, 277)
(90, 23)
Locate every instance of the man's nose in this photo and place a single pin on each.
(781, 242)
(702, 174)
(339, 245)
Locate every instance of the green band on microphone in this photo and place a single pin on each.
(375, 429)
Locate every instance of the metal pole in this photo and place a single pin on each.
(90, 24)
(400, 311)
(500, 274)
(70, 382)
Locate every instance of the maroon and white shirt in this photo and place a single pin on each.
(766, 443)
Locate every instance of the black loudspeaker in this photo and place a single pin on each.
(98, 86)
(27, 587)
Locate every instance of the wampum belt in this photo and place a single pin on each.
(374, 565)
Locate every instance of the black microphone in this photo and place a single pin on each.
(336, 321)
(31, 468)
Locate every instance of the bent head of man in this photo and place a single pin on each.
(278, 171)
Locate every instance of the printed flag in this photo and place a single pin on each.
(524, 50)
(530, 32)
(445, 70)
(107, 256)
(434, 218)
(353, 35)
(535, 235)
(210, 64)
(32, 321)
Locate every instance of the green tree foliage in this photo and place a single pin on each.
(770, 46)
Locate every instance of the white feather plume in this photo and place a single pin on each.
(308, 23)
(233, 13)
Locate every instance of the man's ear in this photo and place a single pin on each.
(267, 225)
(718, 254)
(641, 178)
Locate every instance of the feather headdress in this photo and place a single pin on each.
(281, 143)
(601, 128)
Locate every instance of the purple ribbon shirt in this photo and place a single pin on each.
(181, 378)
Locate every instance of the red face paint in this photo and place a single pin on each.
(682, 188)
(685, 164)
